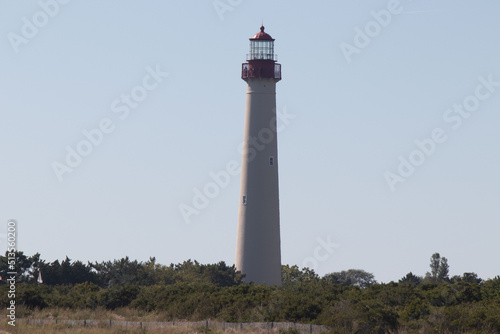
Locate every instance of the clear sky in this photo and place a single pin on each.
(363, 82)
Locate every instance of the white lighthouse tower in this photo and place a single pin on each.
(258, 250)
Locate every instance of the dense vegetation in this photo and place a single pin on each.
(347, 301)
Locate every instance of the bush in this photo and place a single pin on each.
(119, 296)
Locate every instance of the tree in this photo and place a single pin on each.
(119, 272)
(293, 274)
(51, 272)
(410, 278)
(435, 260)
(66, 272)
(221, 274)
(356, 277)
(443, 269)
(26, 267)
(439, 269)
(466, 277)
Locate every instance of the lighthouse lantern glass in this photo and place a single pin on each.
(261, 49)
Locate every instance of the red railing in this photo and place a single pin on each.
(265, 70)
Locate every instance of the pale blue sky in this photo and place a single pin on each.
(352, 121)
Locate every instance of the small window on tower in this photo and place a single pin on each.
(271, 161)
(244, 200)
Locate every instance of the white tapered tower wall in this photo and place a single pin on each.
(258, 252)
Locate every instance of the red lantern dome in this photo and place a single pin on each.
(262, 35)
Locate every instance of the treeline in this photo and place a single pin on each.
(349, 301)
(118, 272)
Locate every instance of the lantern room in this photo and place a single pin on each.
(261, 46)
(261, 59)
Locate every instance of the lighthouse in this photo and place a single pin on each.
(258, 249)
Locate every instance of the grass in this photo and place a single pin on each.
(125, 314)
(66, 329)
